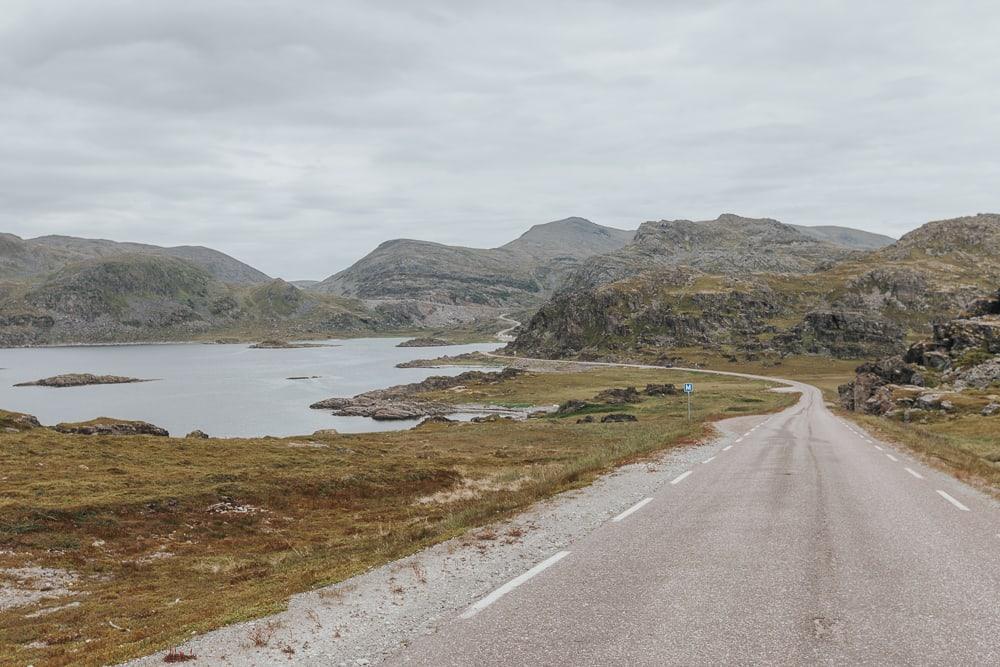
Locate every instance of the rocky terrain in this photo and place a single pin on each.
(23, 258)
(79, 380)
(108, 426)
(285, 345)
(139, 297)
(753, 289)
(424, 342)
(404, 401)
(520, 273)
(956, 371)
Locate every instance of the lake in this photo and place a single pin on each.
(224, 390)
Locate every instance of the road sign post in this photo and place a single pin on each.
(689, 389)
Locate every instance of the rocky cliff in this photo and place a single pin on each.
(956, 370)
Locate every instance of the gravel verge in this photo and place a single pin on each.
(364, 620)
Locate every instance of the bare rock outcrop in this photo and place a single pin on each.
(79, 380)
(108, 426)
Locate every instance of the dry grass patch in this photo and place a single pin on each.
(104, 507)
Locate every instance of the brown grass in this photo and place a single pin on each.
(130, 515)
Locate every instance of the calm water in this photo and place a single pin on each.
(224, 390)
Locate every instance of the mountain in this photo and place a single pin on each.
(27, 258)
(761, 290)
(728, 245)
(517, 274)
(130, 297)
(845, 236)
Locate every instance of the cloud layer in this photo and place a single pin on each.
(296, 135)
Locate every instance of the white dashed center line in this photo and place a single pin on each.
(512, 584)
(708, 460)
(878, 448)
(892, 458)
(914, 473)
(635, 508)
(727, 448)
(953, 501)
(681, 477)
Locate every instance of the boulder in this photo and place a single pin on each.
(197, 433)
(17, 421)
(107, 426)
(660, 390)
(436, 420)
(990, 410)
(486, 419)
(323, 432)
(589, 419)
(618, 417)
(616, 396)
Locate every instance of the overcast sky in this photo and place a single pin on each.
(298, 134)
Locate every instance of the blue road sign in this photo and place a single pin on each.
(688, 387)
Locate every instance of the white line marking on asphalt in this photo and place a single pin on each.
(680, 477)
(635, 508)
(708, 460)
(878, 448)
(740, 439)
(892, 458)
(914, 473)
(953, 501)
(727, 448)
(512, 584)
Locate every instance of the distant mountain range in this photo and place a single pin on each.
(59, 289)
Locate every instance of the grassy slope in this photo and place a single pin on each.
(105, 506)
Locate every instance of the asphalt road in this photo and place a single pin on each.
(804, 542)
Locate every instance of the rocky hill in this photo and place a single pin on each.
(519, 273)
(728, 245)
(27, 258)
(758, 287)
(146, 297)
(845, 236)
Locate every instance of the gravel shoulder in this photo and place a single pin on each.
(364, 620)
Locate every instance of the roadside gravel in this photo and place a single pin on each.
(363, 620)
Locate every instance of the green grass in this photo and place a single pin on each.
(105, 507)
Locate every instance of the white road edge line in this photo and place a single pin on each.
(708, 460)
(727, 448)
(512, 584)
(952, 501)
(892, 458)
(914, 473)
(635, 508)
(680, 477)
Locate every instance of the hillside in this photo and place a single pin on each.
(728, 245)
(856, 239)
(22, 259)
(519, 273)
(764, 293)
(145, 297)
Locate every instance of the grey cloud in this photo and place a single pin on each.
(297, 135)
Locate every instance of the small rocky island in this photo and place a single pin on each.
(424, 342)
(80, 380)
(285, 345)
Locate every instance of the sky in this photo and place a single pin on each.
(296, 135)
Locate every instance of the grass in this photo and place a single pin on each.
(172, 536)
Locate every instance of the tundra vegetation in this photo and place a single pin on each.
(157, 538)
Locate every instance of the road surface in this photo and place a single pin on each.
(803, 542)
